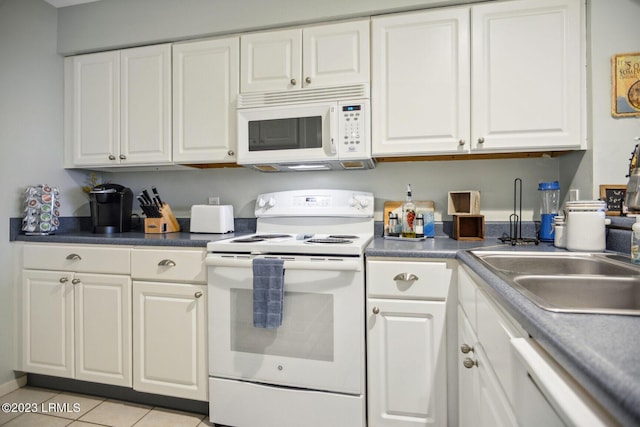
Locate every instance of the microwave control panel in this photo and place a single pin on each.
(353, 119)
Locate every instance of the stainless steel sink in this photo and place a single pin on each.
(591, 294)
(564, 263)
(570, 282)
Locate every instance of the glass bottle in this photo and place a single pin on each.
(393, 225)
(408, 216)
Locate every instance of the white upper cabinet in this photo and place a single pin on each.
(528, 79)
(145, 105)
(323, 55)
(92, 109)
(118, 107)
(205, 90)
(420, 75)
(497, 77)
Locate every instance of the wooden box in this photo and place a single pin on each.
(165, 224)
(468, 227)
(464, 203)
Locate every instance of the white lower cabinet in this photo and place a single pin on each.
(77, 325)
(170, 323)
(406, 342)
(505, 378)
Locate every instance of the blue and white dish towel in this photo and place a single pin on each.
(268, 292)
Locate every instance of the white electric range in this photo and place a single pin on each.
(311, 369)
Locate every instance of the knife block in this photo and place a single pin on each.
(166, 224)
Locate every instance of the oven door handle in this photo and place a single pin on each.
(321, 264)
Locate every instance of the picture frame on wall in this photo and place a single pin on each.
(625, 80)
(614, 195)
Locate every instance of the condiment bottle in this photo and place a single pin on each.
(393, 225)
(420, 226)
(408, 216)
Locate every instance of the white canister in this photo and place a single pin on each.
(559, 233)
(585, 225)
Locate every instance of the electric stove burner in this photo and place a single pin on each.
(329, 240)
(343, 236)
(260, 238)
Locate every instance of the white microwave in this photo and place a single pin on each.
(306, 129)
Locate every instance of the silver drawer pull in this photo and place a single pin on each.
(167, 263)
(64, 279)
(198, 294)
(75, 281)
(74, 257)
(406, 277)
(376, 310)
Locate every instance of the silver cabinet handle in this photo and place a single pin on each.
(469, 363)
(75, 281)
(74, 257)
(376, 310)
(307, 80)
(123, 157)
(461, 142)
(405, 276)
(231, 153)
(466, 348)
(112, 157)
(167, 263)
(64, 279)
(293, 82)
(198, 294)
(480, 140)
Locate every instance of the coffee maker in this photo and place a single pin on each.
(111, 208)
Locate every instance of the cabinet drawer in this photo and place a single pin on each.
(176, 265)
(78, 258)
(409, 279)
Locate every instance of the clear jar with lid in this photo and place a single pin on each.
(559, 234)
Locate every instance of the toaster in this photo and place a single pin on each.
(211, 219)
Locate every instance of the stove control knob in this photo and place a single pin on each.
(261, 202)
(353, 202)
(272, 202)
(364, 203)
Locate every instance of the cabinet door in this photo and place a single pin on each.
(271, 61)
(205, 88)
(527, 76)
(92, 109)
(336, 54)
(48, 323)
(146, 105)
(103, 328)
(169, 339)
(406, 363)
(420, 74)
(468, 380)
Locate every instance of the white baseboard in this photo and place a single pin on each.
(13, 385)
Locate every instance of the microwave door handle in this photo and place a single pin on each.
(333, 137)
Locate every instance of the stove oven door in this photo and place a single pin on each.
(320, 344)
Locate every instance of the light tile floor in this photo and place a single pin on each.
(37, 407)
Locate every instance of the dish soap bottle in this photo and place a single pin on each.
(635, 241)
(409, 216)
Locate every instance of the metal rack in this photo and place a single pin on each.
(515, 223)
